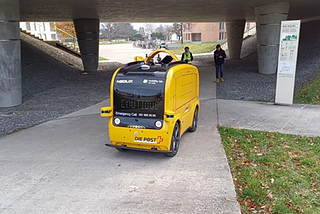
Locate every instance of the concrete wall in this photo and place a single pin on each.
(10, 54)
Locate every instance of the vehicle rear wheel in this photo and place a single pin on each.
(194, 126)
(175, 141)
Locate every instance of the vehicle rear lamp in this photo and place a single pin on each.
(117, 121)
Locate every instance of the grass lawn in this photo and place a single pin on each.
(204, 47)
(102, 58)
(273, 172)
(310, 93)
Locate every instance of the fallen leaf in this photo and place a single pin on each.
(269, 135)
(228, 199)
(152, 182)
(272, 180)
(133, 188)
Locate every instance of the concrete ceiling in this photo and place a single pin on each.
(157, 11)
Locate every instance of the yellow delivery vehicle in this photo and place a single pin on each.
(153, 101)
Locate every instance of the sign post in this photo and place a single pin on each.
(287, 61)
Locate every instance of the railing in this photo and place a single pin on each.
(250, 32)
(71, 39)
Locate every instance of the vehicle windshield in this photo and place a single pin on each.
(139, 96)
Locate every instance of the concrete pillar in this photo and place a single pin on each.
(268, 20)
(235, 31)
(88, 39)
(10, 54)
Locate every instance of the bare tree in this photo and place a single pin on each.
(124, 30)
(141, 31)
(108, 30)
(149, 27)
(159, 29)
(168, 30)
(179, 28)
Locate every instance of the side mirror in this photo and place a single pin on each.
(138, 58)
(106, 111)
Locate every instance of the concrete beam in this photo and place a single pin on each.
(235, 31)
(268, 20)
(88, 39)
(10, 54)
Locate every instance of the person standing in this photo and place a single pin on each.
(187, 56)
(219, 56)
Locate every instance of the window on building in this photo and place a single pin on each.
(189, 26)
(51, 26)
(28, 26)
(196, 37)
(53, 36)
(248, 25)
(44, 26)
(35, 26)
(221, 26)
(221, 36)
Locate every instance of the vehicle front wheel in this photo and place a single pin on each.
(175, 141)
(194, 126)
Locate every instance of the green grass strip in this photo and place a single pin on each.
(273, 172)
(204, 47)
(310, 93)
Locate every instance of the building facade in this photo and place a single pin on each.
(43, 30)
(208, 32)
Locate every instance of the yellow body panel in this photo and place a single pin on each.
(141, 138)
(180, 101)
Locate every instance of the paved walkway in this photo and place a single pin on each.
(296, 119)
(62, 166)
(123, 53)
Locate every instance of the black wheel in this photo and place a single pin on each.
(194, 126)
(120, 149)
(175, 141)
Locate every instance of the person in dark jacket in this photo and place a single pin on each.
(219, 56)
(187, 56)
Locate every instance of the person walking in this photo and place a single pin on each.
(187, 56)
(219, 56)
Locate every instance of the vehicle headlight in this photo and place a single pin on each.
(158, 124)
(117, 121)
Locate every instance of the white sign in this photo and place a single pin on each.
(287, 61)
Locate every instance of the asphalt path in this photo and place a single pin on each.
(63, 166)
(123, 53)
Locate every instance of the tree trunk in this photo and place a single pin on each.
(181, 33)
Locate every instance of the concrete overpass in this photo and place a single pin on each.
(86, 15)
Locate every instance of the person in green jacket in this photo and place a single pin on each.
(187, 56)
